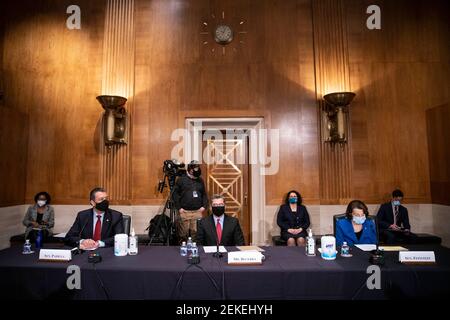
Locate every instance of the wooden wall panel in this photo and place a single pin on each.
(294, 51)
(118, 79)
(13, 159)
(397, 73)
(332, 75)
(438, 130)
(271, 75)
(52, 75)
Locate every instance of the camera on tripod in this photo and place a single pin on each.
(172, 169)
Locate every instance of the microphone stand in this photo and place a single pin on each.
(217, 254)
(377, 255)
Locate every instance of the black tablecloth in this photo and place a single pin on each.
(155, 273)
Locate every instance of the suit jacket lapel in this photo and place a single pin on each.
(89, 229)
(106, 225)
(351, 231)
(226, 226)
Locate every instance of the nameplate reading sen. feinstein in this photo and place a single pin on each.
(417, 257)
(56, 255)
(245, 258)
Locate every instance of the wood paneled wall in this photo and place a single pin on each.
(292, 53)
(118, 79)
(397, 74)
(52, 75)
(332, 75)
(270, 75)
(438, 119)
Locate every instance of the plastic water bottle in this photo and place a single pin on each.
(133, 244)
(183, 249)
(345, 250)
(310, 244)
(27, 247)
(189, 247)
(194, 250)
(39, 239)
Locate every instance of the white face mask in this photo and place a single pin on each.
(41, 203)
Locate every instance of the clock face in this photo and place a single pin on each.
(223, 34)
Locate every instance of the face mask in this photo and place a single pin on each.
(197, 173)
(218, 211)
(293, 200)
(102, 206)
(359, 220)
(396, 202)
(41, 203)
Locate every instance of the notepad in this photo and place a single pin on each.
(60, 235)
(250, 248)
(366, 247)
(392, 248)
(213, 249)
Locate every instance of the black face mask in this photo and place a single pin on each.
(197, 173)
(218, 211)
(102, 206)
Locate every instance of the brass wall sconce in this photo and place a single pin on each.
(114, 119)
(334, 116)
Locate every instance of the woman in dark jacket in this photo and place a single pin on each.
(39, 216)
(293, 219)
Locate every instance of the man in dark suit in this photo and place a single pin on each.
(96, 227)
(393, 220)
(219, 227)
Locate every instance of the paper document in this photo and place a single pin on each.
(250, 248)
(366, 247)
(392, 248)
(60, 235)
(212, 249)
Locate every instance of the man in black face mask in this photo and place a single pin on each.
(96, 227)
(190, 199)
(219, 228)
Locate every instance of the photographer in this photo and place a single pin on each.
(190, 199)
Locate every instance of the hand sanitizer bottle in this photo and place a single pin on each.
(133, 249)
(310, 244)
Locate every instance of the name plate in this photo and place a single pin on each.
(57, 255)
(245, 258)
(417, 257)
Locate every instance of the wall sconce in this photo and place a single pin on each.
(114, 119)
(334, 118)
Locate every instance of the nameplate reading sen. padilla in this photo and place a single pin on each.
(245, 258)
(55, 255)
(417, 257)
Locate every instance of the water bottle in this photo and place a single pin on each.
(194, 250)
(310, 244)
(133, 244)
(194, 257)
(345, 250)
(189, 247)
(39, 239)
(183, 249)
(27, 247)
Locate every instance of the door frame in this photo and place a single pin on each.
(193, 150)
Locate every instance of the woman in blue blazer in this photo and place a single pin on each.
(293, 219)
(355, 228)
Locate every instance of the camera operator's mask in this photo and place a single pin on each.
(196, 172)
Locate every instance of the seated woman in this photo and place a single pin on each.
(355, 228)
(293, 219)
(39, 216)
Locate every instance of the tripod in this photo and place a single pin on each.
(170, 225)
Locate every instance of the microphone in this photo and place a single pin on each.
(79, 236)
(217, 254)
(377, 255)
